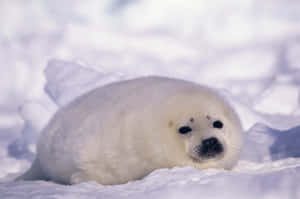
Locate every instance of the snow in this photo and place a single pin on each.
(53, 51)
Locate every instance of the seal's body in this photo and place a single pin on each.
(125, 130)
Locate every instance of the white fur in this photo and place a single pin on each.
(125, 130)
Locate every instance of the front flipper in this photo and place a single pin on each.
(34, 173)
(79, 177)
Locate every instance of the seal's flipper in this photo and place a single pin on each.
(33, 173)
(79, 177)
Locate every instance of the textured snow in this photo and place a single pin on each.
(54, 51)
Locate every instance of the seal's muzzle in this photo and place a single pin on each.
(210, 148)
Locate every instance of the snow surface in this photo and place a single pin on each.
(53, 51)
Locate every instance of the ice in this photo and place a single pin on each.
(293, 54)
(174, 183)
(54, 51)
(266, 144)
(279, 99)
(67, 80)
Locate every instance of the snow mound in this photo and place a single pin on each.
(269, 166)
(173, 183)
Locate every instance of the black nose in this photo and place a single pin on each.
(211, 147)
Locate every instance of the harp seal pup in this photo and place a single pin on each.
(123, 131)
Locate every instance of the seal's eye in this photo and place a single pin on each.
(218, 124)
(184, 130)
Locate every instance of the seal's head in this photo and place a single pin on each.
(206, 145)
(209, 131)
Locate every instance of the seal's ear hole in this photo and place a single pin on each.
(185, 130)
(170, 124)
(218, 124)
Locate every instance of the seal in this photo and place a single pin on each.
(123, 131)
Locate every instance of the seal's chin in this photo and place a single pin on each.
(196, 159)
(200, 159)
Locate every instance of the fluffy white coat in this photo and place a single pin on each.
(125, 130)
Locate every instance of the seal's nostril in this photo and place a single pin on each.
(210, 141)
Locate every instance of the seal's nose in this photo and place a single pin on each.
(211, 147)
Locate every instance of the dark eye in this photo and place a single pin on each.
(218, 124)
(184, 130)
